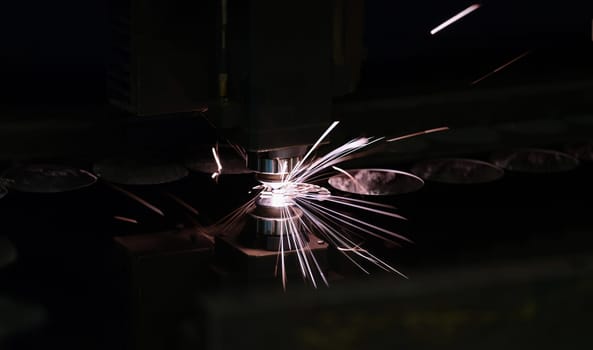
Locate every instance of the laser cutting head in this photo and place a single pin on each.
(271, 166)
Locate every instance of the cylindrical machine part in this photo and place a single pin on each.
(275, 225)
(273, 165)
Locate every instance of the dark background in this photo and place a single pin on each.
(56, 52)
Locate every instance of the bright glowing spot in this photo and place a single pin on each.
(279, 200)
(455, 18)
(218, 164)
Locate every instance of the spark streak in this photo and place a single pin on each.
(501, 67)
(308, 209)
(125, 219)
(455, 18)
(218, 164)
(182, 203)
(136, 198)
(429, 131)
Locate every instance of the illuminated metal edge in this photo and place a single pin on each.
(273, 166)
(275, 161)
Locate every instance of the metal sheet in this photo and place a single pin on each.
(130, 170)
(47, 178)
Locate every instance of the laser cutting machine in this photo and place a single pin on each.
(267, 78)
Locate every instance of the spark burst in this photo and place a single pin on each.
(308, 209)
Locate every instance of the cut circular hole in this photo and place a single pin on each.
(457, 171)
(47, 178)
(535, 161)
(376, 182)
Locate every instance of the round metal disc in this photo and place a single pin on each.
(457, 171)
(230, 160)
(376, 182)
(535, 161)
(127, 170)
(47, 178)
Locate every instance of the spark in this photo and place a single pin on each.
(419, 133)
(354, 180)
(455, 18)
(501, 67)
(125, 219)
(182, 203)
(307, 209)
(218, 164)
(315, 145)
(200, 229)
(137, 199)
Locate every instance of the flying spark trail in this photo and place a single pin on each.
(182, 203)
(125, 219)
(501, 67)
(136, 198)
(429, 131)
(455, 18)
(308, 210)
(218, 164)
